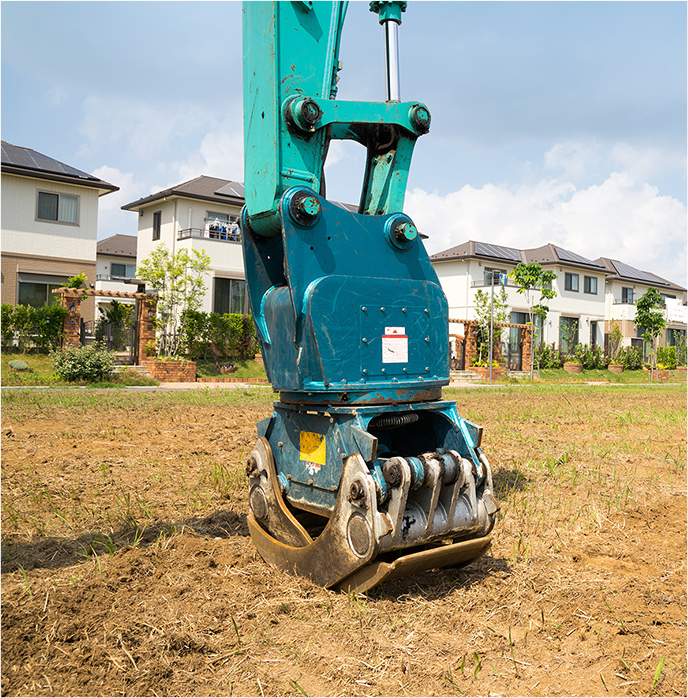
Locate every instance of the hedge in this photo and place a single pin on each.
(25, 327)
(211, 335)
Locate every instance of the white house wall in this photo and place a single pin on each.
(458, 276)
(226, 257)
(30, 236)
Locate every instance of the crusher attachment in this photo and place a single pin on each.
(363, 473)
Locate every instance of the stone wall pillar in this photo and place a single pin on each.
(145, 324)
(72, 323)
(471, 343)
(527, 348)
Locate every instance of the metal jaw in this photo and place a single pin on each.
(344, 554)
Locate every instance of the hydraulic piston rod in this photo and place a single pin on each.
(390, 18)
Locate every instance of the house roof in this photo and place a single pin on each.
(479, 250)
(205, 188)
(545, 255)
(552, 254)
(620, 271)
(30, 163)
(118, 246)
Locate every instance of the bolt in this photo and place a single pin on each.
(305, 208)
(251, 466)
(309, 112)
(405, 233)
(356, 490)
(392, 473)
(420, 117)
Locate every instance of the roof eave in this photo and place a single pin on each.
(99, 184)
(176, 194)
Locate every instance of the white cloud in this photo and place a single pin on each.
(111, 219)
(622, 218)
(221, 154)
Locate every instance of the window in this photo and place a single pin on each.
(230, 296)
(571, 282)
(627, 295)
(37, 294)
(157, 222)
(487, 276)
(58, 207)
(593, 332)
(590, 284)
(221, 226)
(123, 270)
(568, 333)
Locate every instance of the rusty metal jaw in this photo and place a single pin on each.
(349, 540)
(344, 554)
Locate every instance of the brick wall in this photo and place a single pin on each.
(171, 371)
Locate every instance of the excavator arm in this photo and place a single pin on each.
(363, 472)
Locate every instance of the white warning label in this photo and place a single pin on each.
(395, 346)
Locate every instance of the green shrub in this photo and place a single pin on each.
(548, 356)
(209, 335)
(632, 358)
(19, 365)
(42, 328)
(667, 357)
(88, 364)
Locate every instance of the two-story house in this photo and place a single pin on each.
(115, 263)
(624, 286)
(576, 314)
(49, 226)
(200, 214)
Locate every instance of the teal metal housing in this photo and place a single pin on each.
(350, 315)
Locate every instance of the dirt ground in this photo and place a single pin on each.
(127, 568)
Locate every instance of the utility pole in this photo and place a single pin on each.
(492, 282)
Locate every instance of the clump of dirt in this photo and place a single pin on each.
(127, 567)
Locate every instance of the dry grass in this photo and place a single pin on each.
(127, 568)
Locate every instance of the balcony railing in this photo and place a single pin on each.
(223, 234)
(624, 301)
(110, 277)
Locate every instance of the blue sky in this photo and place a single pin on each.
(559, 122)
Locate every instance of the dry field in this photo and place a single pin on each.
(127, 568)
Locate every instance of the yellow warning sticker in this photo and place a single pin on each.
(312, 447)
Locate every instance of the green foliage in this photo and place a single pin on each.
(178, 278)
(77, 281)
(88, 364)
(7, 325)
(667, 357)
(209, 335)
(680, 339)
(649, 314)
(19, 365)
(631, 358)
(531, 280)
(615, 339)
(590, 357)
(500, 307)
(40, 328)
(548, 356)
(120, 317)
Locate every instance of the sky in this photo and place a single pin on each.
(561, 122)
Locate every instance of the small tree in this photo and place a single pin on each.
(650, 317)
(482, 311)
(178, 278)
(615, 339)
(536, 285)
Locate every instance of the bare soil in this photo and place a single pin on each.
(127, 568)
